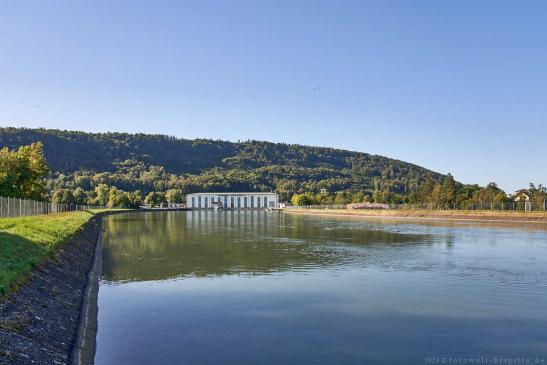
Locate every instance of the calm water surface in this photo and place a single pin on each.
(273, 288)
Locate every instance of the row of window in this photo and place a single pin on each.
(232, 202)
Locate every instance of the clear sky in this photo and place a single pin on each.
(455, 86)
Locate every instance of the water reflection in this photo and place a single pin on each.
(263, 288)
(158, 246)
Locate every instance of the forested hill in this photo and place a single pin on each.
(158, 162)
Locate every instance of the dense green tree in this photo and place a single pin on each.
(358, 197)
(538, 195)
(23, 171)
(62, 196)
(341, 198)
(174, 196)
(80, 196)
(155, 198)
(436, 197)
(426, 191)
(102, 192)
(301, 199)
(136, 199)
(117, 198)
(448, 191)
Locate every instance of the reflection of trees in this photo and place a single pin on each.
(162, 245)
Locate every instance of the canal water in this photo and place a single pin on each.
(274, 288)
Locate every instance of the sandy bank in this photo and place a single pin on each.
(487, 216)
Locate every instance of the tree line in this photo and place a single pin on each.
(24, 173)
(155, 163)
(447, 194)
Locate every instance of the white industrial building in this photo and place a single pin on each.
(232, 201)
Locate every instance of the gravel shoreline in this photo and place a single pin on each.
(51, 318)
(478, 216)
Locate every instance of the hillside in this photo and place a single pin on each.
(158, 162)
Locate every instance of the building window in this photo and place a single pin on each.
(252, 201)
(193, 202)
(206, 201)
(199, 201)
(225, 201)
(265, 201)
(245, 202)
(258, 202)
(239, 202)
(232, 205)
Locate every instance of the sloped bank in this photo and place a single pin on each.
(455, 215)
(51, 319)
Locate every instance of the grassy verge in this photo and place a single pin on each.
(25, 242)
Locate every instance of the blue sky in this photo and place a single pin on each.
(455, 86)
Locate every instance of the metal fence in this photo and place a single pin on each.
(523, 206)
(337, 206)
(17, 207)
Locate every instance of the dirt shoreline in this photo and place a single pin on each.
(484, 216)
(51, 318)
(83, 350)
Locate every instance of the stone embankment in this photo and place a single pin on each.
(51, 319)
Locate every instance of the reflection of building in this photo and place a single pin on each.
(232, 201)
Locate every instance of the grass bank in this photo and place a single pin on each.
(25, 242)
(499, 216)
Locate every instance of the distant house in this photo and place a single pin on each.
(522, 195)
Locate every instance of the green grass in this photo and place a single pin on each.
(25, 242)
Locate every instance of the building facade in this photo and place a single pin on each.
(257, 201)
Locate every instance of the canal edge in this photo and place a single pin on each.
(83, 352)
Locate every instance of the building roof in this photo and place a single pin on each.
(238, 193)
(523, 194)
